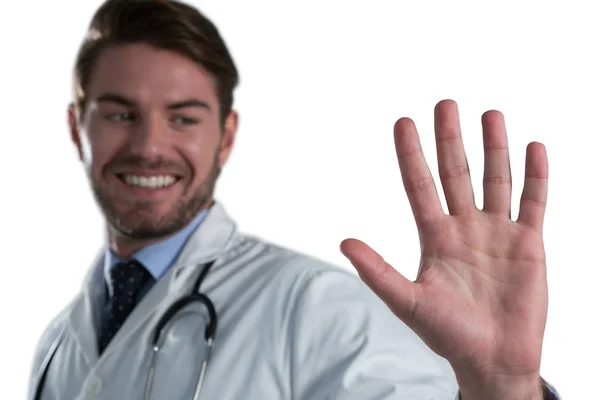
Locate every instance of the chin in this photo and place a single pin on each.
(145, 218)
(146, 229)
(138, 221)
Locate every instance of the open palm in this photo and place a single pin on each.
(480, 298)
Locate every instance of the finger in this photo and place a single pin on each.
(416, 176)
(497, 181)
(452, 161)
(395, 290)
(535, 190)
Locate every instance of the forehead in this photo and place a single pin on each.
(149, 75)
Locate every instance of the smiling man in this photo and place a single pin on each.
(181, 305)
(149, 184)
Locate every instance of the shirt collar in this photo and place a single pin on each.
(159, 256)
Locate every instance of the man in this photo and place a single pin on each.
(153, 123)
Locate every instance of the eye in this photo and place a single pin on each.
(185, 121)
(120, 117)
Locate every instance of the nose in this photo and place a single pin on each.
(149, 138)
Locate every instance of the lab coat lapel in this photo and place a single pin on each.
(207, 243)
(84, 314)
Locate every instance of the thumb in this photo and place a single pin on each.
(397, 292)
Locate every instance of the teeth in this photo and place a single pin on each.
(152, 182)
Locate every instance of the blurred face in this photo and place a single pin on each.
(151, 139)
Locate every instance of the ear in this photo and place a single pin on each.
(74, 129)
(229, 131)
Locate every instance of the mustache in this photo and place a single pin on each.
(158, 164)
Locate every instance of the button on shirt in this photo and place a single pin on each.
(156, 258)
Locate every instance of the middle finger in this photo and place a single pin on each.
(452, 160)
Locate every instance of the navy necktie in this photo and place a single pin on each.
(127, 281)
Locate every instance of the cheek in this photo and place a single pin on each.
(98, 150)
(201, 155)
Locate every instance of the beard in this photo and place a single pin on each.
(141, 221)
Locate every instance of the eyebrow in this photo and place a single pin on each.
(124, 101)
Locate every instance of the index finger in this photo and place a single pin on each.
(416, 175)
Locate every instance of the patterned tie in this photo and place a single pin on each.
(127, 280)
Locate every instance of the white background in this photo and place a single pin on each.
(322, 83)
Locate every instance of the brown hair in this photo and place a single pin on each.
(165, 24)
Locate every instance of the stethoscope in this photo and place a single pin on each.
(158, 338)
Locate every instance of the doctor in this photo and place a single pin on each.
(153, 125)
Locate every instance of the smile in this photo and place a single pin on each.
(148, 182)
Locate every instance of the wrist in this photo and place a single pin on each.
(501, 387)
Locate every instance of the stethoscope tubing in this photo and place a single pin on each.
(209, 335)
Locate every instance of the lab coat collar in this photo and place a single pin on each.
(209, 243)
(206, 244)
(210, 239)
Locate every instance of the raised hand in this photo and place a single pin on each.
(480, 298)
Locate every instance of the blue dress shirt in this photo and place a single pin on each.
(156, 258)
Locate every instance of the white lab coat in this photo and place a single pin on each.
(290, 327)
